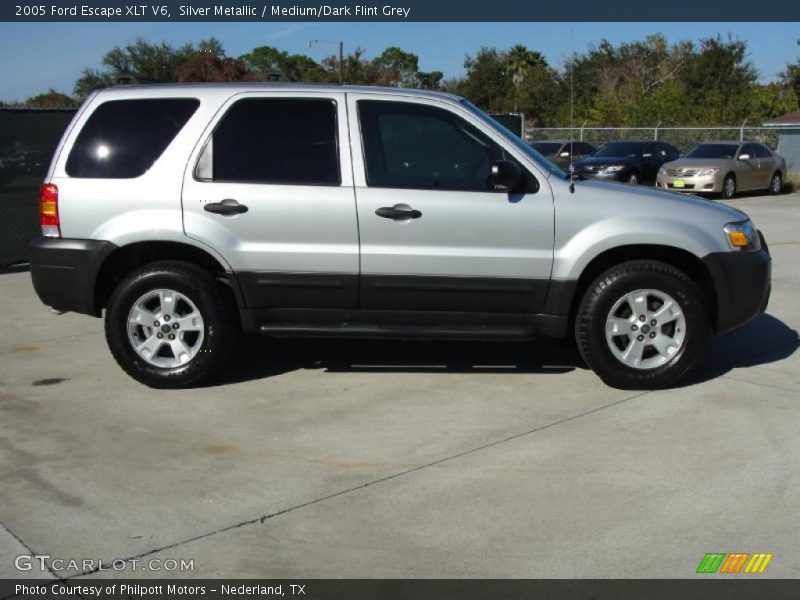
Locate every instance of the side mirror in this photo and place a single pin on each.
(564, 155)
(744, 157)
(505, 175)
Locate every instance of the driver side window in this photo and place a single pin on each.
(410, 145)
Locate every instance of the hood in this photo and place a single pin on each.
(594, 161)
(698, 163)
(649, 200)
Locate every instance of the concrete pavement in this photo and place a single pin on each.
(392, 459)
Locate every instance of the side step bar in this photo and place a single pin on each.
(402, 332)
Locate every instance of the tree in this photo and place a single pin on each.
(50, 99)
(396, 67)
(515, 80)
(145, 61)
(772, 100)
(430, 80)
(205, 66)
(485, 83)
(519, 62)
(266, 62)
(719, 80)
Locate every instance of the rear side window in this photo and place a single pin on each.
(762, 151)
(124, 138)
(277, 140)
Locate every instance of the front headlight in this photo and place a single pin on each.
(614, 168)
(743, 236)
(662, 171)
(711, 171)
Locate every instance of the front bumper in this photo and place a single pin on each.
(64, 272)
(707, 184)
(604, 176)
(743, 282)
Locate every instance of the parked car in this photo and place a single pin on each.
(558, 151)
(631, 162)
(187, 213)
(725, 168)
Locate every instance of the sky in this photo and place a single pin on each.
(39, 56)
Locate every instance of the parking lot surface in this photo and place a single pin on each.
(399, 459)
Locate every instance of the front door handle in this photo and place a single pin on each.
(229, 206)
(398, 212)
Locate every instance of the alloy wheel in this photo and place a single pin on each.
(165, 328)
(645, 329)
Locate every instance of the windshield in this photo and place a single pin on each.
(618, 149)
(512, 138)
(713, 151)
(546, 148)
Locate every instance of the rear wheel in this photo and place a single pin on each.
(776, 184)
(170, 324)
(729, 187)
(642, 324)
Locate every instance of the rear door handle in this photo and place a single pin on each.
(229, 206)
(398, 212)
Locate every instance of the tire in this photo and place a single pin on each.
(199, 315)
(633, 178)
(605, 307)
(776, 184)
(728, 187)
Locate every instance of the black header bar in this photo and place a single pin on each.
(399, 10)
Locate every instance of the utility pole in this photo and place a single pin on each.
(341, 55)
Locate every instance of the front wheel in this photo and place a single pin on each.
(642, 325)
(170, 324)
(633, 178)
(729, 187)
(776, 184)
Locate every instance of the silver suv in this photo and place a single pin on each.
(189, 213)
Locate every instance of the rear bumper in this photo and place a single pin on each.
(743, 283)
(64, 272)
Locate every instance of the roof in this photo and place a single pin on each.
(790, 119)
(285, 86)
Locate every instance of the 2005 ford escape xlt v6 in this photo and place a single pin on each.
(189, 213)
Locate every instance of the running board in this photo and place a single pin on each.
(402, 332)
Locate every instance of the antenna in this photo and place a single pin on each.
(571, 114)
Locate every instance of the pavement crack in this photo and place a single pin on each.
(265, 517)
(761, 384)
(30, 551)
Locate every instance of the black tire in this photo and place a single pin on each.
(728, 190)
(596, 306)
(776, 184)
(216, 305)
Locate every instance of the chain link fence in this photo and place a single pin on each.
(682, 138)
(28, 139)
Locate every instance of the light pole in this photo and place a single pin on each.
(341, 55)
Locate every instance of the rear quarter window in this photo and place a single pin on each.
(122, 139)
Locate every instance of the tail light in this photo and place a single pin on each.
(48, 210)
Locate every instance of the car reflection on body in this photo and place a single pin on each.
(557, 151)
